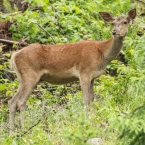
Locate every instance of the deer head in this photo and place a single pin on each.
(120, 24)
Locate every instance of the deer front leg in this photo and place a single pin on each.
(86, 88)
(92, 91)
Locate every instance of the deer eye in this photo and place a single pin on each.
(125, 22)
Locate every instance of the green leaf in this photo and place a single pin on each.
(2, 87)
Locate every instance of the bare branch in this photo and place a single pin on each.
(31, 128)
(9, 41)
(22, 42)
(45, 31)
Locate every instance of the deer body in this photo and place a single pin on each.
(60, 64)
(63, 63)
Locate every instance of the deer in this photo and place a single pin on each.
(59, 64)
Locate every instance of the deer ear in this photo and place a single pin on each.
(132, 13)
(106, 16)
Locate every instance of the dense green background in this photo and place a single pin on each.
(117, 115)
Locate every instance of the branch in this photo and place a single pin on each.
(30, 128)
(9, 41)
(45, 31)
(21, 42)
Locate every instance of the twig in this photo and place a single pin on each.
(31, 128)
(45, 31)
(9, 41)
(20, 42)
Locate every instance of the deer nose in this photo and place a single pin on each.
(114, 32)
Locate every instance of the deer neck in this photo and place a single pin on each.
(113, 50)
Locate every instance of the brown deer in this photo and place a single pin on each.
(63, 63)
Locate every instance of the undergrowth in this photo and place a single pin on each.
(55, 114)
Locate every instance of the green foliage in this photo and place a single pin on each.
(7, 6)
(66, 21)
(131, 127)
(60, 108)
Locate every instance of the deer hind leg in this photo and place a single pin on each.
(19, 100)
(12, 108)
(26, 90)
